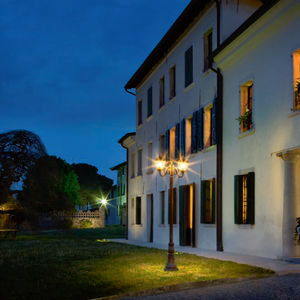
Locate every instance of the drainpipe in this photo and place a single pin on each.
(219, 134)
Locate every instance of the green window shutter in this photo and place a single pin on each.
(238, 199)
(213, 201)
(177, 133)
(167, 144)
(194, 216)
(203, 198)
(175, 207)
(182, 139)
(251, 197)
(194, 131)
(181, 215)
(200, 129)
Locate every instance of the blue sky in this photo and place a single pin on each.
(64, 65)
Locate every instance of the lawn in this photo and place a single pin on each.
(82, 264)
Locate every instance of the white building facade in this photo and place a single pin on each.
(218, 117)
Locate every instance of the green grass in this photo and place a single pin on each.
(82, 264)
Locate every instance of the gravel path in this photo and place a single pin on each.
(276, 287)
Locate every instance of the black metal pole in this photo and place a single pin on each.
(171, 266)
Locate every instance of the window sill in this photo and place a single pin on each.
(149, 118)
(132, 177)
(294, 113)
(138, 225)
(174, 225)
(204, 225)
(139, 175)
(161, 225)
(162, 108)
(149, 172)
(189, 87)
(245, 226)
(172, 100)
(139, 126)
(208, 149)
(246, 133)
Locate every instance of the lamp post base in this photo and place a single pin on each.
(171, 259)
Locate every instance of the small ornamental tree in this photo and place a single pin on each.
(51, 185)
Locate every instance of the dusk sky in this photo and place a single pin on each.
(64, 65)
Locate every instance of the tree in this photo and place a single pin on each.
(19, 149)
(51, 185)
(92, 185)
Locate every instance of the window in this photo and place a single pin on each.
(172, 143)
(132, 165)
(149, 102)
(140, 166)
(246, 107)
(172, 82)
(140, 112)
(208, 201)
(208, 126)
(150, 156)
(188, 136)
(162, 146)
(188, 66)
(296, 75)
(162, 207)
(162, 92)
(244, 199)
(207, 42)
(138, 210)
(174, 206)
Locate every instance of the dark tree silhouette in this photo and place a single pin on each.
(50, 185)
(19, 149)
(92, 185)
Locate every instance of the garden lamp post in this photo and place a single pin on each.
(172, 168)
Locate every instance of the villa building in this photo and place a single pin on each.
(220, 90)
(116, 208)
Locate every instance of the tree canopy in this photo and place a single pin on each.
(51, 185)
(92, 185)
(19, 149)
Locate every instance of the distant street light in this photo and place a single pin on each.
(172, 168)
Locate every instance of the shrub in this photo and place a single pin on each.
(85, 223)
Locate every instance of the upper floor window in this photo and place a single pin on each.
(140, 112)
(245, 119)
(172, 143)
(140, 166)
(188, 136)
(173, 82)
(162, 92)
(188, 66)
(296, 81)
(132, 165)
(149, 102)
(244, 199)
(208, 125)
(207, 44)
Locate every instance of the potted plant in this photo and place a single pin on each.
(245, 119)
